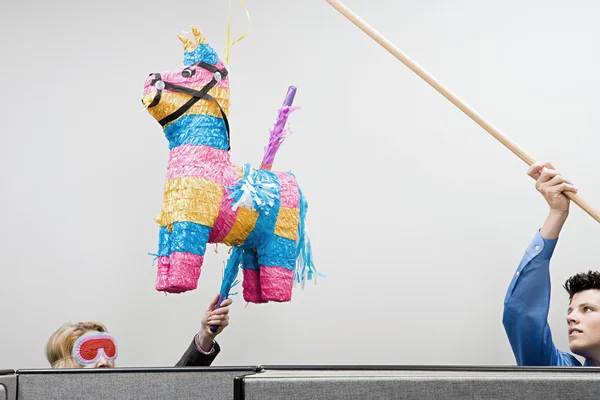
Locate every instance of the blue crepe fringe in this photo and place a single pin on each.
(256, 190)
(231, 272)
(305, 266)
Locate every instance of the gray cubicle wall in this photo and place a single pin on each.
(8, 384)
(422, 383)
(130, 383)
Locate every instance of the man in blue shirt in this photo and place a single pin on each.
(528, 298)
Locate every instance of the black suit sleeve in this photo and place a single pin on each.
(193, 358)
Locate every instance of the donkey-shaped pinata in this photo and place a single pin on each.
(207, 199)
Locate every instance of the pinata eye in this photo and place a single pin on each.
(186, 73)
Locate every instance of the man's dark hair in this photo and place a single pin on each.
(582, 281)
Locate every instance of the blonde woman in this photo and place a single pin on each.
(89, 345)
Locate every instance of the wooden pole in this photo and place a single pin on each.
(444, 91)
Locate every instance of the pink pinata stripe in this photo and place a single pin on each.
(164, 264)
(182, 273)
(289, 190)
(224, 221)
(203, 161)
(276, 283)
(251, 286)
(200, 79)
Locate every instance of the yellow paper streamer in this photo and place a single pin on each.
(229, 44)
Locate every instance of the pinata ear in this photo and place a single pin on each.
(197, 49)
(188, 45)
(198, 36)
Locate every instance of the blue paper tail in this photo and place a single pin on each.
(231, 272)
(305, 266)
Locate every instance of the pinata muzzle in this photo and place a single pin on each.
(179, 85)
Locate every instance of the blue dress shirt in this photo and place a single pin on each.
(526, 308)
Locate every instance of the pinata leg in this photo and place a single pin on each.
(251, 282)
(277, 259)
(164, 261)
(188, 244)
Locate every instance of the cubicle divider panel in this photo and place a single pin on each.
(423, 383)
(130, 383)
(8, 384)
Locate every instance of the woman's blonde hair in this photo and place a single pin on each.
(60, 345)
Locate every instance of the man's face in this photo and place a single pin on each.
(583, 318)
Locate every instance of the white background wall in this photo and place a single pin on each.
(417, 216)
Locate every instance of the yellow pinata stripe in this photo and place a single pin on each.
(242, 227)
(191, 198)
(171, 102)
(287, 223)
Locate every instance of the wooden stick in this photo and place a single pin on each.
(495, 132)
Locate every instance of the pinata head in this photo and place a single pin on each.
(191, 103)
